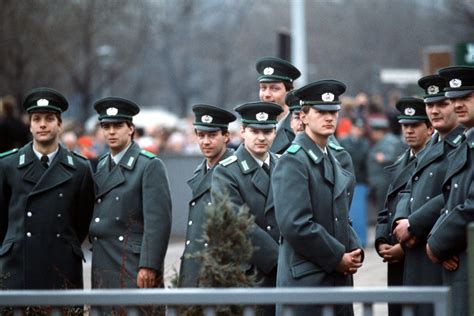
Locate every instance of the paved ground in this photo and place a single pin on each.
(373, 272)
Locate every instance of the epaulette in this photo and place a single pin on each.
(8, 153)
(293, 149)
(228, 160)
(79, 155)
(148, 154)
(335, 147)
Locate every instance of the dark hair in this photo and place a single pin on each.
(288, 85)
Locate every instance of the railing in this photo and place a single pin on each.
(287, 297)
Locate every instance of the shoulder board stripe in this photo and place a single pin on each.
(147, 154)
(293, 149)
(8, 153)
(228, 161)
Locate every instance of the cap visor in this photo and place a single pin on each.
(457, 94)
(207, 128)
(327, 107)
(262, 126)
(411, 121)
(112, 120)
(434, 99)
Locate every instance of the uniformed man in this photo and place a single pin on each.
(211, 127)
(447, 240)
(46, 202)
(312, 198)
(421, 200)
(417, 131)
(131, 225)
(276, 77)
(295, 109)
(245, 177)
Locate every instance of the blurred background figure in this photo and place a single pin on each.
(357, 146)
(385, 149)
(69, 140)
(14, 133)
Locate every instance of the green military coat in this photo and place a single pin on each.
(131, 225)
(421, 202)
(200, 185)
(400, 172)
(448, 235)
(284, 136)
(312, 200)
(44, 215)
(248, 184)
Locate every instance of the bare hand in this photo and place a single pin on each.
(401, 230)
(430, 254)
(451, 264)
(380, 157)
(393, 253)
(411, 242)
(350, 262)
(146, 278)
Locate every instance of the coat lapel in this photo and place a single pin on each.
(457, 161)
(201, 180)
(107, 181)
(342, 177)
(248, 165)
(284, 137)
(269, 202)
(58, 172)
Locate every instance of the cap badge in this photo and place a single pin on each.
(268, 71)
(432, 89)
(206, 119)
(455, 83)
(112, 111)
(410, 111)
(261, 116)
(327, 97)
(42, 102)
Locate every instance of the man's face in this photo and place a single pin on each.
(257, 141)
(296, 123)
(273, 92)
(118, 135)
(212, 144)
(320, 123)
(442, 115)
(417, 135)
(464, 109)
(45, 127)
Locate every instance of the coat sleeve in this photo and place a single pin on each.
(294, 214)
(382, 229)
(265, 254)
(156, 215)
(4, 201)
(449, 238)
(422, 220)
(402, 209)
(86, 203)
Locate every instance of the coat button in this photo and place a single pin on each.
(193, 203)
(58, 235)
(188, 242)
(190, 223)
(269, 228)
(117, 198)
(446, 211)
(28, 234)
(95, 237)
(205, 244)
(448, 187)
(29, 214)
(117, 218)
(411, 199)
(336, 219)
(390, 234)
(60, 195)
(209, 203)
(431, 174)
(349, 193)
(120, 238)
(59, 215)
(455, 185)
(99, 201)
(416, 178)
(97, 220)
(390, 214)
(427, 197)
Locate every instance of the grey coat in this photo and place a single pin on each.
(248, 184)
(131, 224)
(448, 235)
(312, 209)
(200, 185)
(421, 202)
(44, 215)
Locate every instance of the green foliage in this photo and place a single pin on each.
(227, 254)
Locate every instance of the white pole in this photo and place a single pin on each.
(298, 39)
